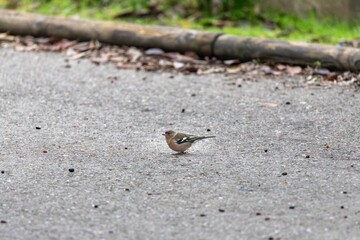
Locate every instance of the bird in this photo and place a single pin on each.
(180, 142)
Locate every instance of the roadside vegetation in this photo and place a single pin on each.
(239, 17)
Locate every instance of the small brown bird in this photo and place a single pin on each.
(180, 142)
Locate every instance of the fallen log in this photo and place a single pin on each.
(305, 54)
(166, 38)
(180, 40)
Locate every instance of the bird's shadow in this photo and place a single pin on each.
(183, 155)
(180, 154)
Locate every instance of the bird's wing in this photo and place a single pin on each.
(183, 138)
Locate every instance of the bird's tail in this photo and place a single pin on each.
(203, 137)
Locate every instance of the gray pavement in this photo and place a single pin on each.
(284, 164)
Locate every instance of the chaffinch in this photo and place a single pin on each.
(180, 142)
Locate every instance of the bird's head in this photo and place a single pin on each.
(169, 134)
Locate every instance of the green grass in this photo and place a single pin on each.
(283, 27)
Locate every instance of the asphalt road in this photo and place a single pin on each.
(82, 155)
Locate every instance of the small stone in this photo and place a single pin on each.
(239, 85)
(171, 76)
(111, 232)
(96, 206)
(2, 172)
(345, 217)
(258, 213)
(352, 165)
(267, 219)
(209, 130)
(342, 207)
(202, 215)
(193, 94)
(291, 207)
(221, 210)
(127, 189)
(45, 151)
(3, 221)
(71, 170)
(284, 173)
(307, 156)
(183, 110)
(265, 150)
(38, 128)
(344, 192)
(271, 238)
(287, 103)
(125, 148)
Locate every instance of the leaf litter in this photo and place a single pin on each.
(155, 59)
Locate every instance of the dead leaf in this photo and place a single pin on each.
(268, 105)
(293, 70)
(4, 37)
(267, 70)
(78, 55)
(178, 65)
(234, 69)
(280, 67)
(165, 63)
(134, 54)
(102, 59)
(117, 59)
(232, 62)
(332, 76)
(125, 66)
(321, 71)
(81, 47)
(210, 70)
(154, 51)
(191, 54)
(94, 45)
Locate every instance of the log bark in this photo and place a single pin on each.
(246, 49)
(180, 40)
(166, 38)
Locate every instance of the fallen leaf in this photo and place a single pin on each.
(267, 70)
(280, 67)
(94, 45)
(321, 71)
(134, 54)
(178, 65)
(232, 62)
(331, 76)
(154, 51)
(6, 38)
(268, 105)
(81, 47)
(102, 59)
(191, 54)
(234, 69)
(293, 70)
(117, 59)
(78, 55)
